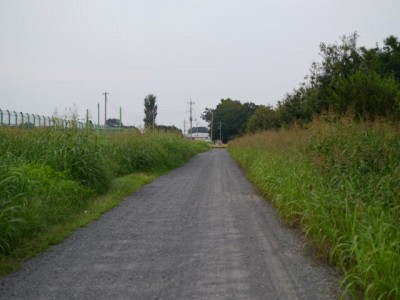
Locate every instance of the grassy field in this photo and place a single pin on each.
(339, 181)
(54, 180)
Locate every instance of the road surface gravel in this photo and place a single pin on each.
(199, 232)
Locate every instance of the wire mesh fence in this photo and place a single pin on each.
(13, 118)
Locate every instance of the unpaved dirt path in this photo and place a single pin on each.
(199, 232)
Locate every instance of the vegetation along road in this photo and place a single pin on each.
(199, 232)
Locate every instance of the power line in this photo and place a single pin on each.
(111, 101)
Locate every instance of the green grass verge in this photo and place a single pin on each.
(340, 183)
(119, 189)
(49, 176)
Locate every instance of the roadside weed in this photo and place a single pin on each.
(50, 175)
(340, 182)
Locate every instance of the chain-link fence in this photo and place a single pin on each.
(13, 118)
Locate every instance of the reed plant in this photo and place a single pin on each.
(47, 176)
(339, 181)
(161, 151)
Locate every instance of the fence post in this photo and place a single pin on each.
(16, 118)
(34, 120)
(9, 118)
(40, 123)
(22, 118)
(1, 117)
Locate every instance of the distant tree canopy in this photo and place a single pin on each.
(349, 79)
(150, 110)
(115, 123)
(229, 118)
(201, 129)
(172, 129)
(264, 118)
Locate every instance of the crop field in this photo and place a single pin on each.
(339, 181)
(48, 177)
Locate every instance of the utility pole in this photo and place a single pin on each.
(120, 117)
(184, 127)
(87, 118)
(191, 119)
(98, 115)
(105, 108)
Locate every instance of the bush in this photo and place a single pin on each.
(368, 94)
(264, 118)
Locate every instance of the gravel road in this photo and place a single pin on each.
(199, 232)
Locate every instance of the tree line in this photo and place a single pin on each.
(349, 80)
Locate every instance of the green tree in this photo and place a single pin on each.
(150, 111)
(338, 60)
(230, 118)
(390, 58)
(115, 123)
(298, 106)
(348, 77)
(368, 94)
(172, 129)
(264, 118)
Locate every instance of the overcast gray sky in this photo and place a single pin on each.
(54, 54)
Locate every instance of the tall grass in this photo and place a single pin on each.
(161, 151)
(48, 175)
(340, 182)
